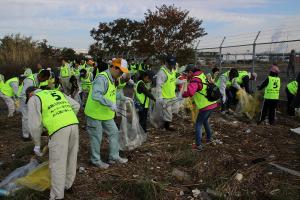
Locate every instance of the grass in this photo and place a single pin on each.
(134, 189)
(28, 194)
(187, 158)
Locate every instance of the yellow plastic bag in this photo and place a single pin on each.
(38, 179)
(192, 107)
(249, 105)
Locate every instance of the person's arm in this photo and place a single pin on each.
(142, 89)
(264, 84)
(160, 80)
(194, 86)
(74, 104)
(246, 84)
(26, 83)
(15, 87)
(235, 84)
(35, 119)
(100, 87)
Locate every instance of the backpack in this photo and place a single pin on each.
(212, 92)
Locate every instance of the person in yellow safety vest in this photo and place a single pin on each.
(166, 84)
(82, 65)
(271, 88)
(65, 74)
(90, 66)
(27, 72)
(9, 93)
(100, 111)
(2, 81)
(57, 113)
(133, 70)
(142, 96)
(86, 79)
(197, 89)
(213, 77)
(291, 92)
(76, 70)
(32, 80)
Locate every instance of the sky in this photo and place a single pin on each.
(67, 23)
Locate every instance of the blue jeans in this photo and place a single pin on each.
(202, 119)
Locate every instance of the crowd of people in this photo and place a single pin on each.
(49, 101)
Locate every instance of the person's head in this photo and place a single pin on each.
(63, 61)
(215, 70)
(274, 70)
(253, 76)
(293, 51)
(82, 62)
(83, 73)
(147, 76)
(43, 75)
(30, 92)
(190, 69)
(118, 67)
(233, 73)
(170, 61)
(90, 62)
(39, 66)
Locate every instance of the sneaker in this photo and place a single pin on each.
(101, 165)
(197, 147)
(118, 160)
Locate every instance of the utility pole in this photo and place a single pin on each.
(254, 58)
(196, 53)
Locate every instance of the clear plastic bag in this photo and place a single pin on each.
(132, 134)
(156, 114)
(9, 181)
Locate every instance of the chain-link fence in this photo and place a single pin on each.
(254, 52)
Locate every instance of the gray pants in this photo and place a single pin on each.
(169, 105)
(63, 150)
(24, 111)
(66, 86)
(95, 129)
(10, 104)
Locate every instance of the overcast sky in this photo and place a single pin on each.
(66, 23)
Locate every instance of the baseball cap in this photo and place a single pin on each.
(121, 63)
(171, 60)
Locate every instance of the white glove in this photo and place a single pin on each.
(37, 151)
(224, 99)
(114, 108)
(131, 82)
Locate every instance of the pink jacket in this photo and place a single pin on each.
(194, 86)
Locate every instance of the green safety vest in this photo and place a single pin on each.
(133, 69)
(57, 112)
(141, 97)
(95, 109)
(200, 97)
(7, 89)
(121, 85)
(65, 71)
(228, 83)
(293, 87)
(76, 71)
(44, 83)
(86, 83)
(273, 88)
(242, 74)
(169, 87)
(140, 68)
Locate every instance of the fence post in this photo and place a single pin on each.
(254, 57)
(220, 54)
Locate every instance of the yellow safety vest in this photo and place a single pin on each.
(57, 112)
(242, 74)
(169, 87)
(65, 71)
(86, 83)
(7, 89)
(228, 83)
(273, 88)
(293, 87)
(95, 109)
(141, 97)
(200, 97)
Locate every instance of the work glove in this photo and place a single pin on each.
(223, 99)
(114, 108)
(37, 151)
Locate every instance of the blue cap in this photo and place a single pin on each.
(171, 60)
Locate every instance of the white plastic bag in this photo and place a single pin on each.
(132, 134)
(156, 114)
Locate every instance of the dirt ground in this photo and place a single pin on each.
(242, 147)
